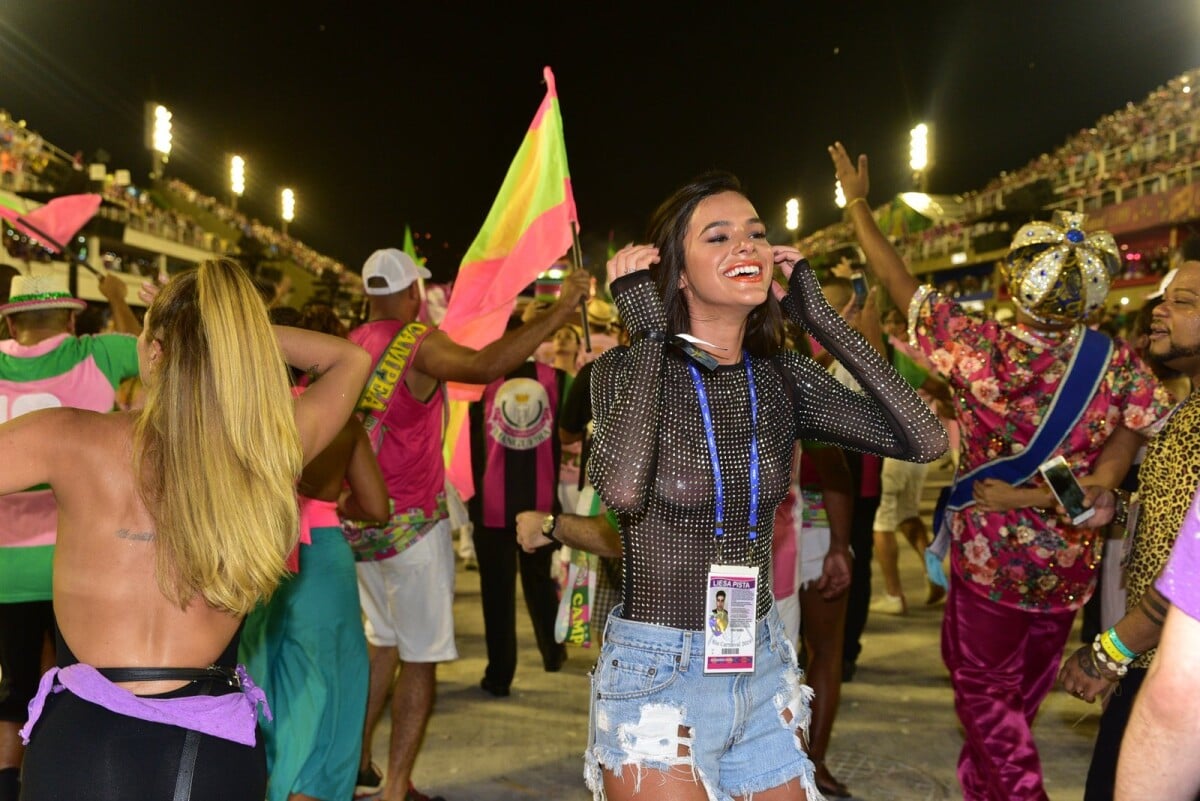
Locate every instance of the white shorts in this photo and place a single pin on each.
(408, 599)
(789, 615)
(814, 547)
(900, 493)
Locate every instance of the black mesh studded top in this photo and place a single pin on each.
(650, 459)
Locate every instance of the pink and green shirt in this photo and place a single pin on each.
(62, 371)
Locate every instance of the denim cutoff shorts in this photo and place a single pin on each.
(654, 709)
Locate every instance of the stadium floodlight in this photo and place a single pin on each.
(237, 175)
(158, 136)
(287, 207)
(792, 214)
(920, 154)
(162, 130)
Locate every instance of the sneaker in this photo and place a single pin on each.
(369, 782)
(416, 795)
(889, 605)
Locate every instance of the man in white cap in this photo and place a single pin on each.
(43, 365)
(406, 569)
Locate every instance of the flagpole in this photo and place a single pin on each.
(577, 264)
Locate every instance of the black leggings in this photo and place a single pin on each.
(82, 750)
(23, 631)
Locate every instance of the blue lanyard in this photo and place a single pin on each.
(706, 414)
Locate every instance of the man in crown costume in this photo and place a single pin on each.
(1025, 392)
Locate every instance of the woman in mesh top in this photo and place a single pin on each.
(694, 428)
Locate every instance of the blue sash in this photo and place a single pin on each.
(1088, 365)
(1084, 373)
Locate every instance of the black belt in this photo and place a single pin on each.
(227, 675)
(191, 740)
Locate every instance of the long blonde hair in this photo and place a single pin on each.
(216, 450)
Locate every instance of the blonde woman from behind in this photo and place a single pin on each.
(174, 521)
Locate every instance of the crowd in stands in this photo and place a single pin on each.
(136, 208)
(26, 159)
(947, 238)
(1150, 138)
(24, 156)
(283, 244)
(1143, 148)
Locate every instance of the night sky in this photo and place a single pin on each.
(379, 114)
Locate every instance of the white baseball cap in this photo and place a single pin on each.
(394, 271)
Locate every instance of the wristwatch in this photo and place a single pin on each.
(548, 525)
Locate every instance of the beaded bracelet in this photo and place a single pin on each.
(1104, 664)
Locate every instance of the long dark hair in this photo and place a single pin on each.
(668, 230)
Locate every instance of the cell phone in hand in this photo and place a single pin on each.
(1066, 489)
(859, 282)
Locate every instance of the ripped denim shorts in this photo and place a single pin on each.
(654, 710)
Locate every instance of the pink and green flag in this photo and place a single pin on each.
(54, 223)
(527, 229)
(409, 247)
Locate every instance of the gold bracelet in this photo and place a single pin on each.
(850, 205)
(1120, 508)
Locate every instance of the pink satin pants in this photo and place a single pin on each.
(1002, 662)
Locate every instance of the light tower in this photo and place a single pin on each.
(237, 179)
(920, 155)
(792, 214)
(158, 137)
(287, 208)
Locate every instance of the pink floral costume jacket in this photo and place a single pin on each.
(1004, 378)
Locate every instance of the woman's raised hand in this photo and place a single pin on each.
(631, 259)
(149, 289)
(786, 258)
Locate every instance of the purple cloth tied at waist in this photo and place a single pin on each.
(233, 716)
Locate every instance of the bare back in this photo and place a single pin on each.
(324, 475)
(107, 600)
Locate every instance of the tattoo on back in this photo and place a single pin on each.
(140, 536)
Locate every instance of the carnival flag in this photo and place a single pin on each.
(56, 222)
(527, 229)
